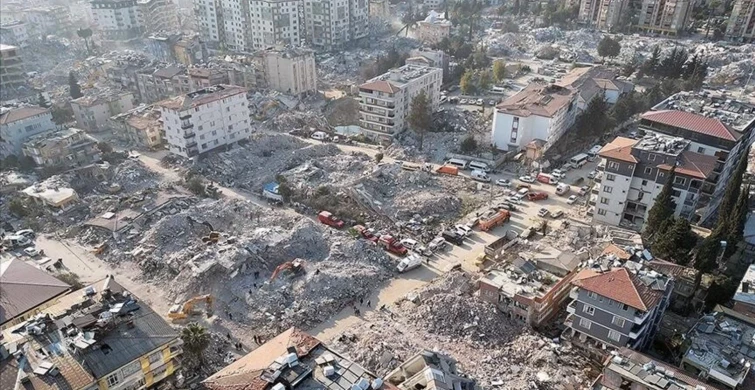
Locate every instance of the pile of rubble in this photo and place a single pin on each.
(132, 176)
(490, 348)
(300, 120)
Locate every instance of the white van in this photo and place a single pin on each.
(562, 189)
(458, 163)
(320, 135)
(480, 176)
(593, 153)
(480, 166)
(578, 161)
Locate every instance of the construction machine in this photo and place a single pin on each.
(212, 237)
(181, 312)
(296, 266)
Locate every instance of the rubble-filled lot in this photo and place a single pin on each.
(490, 348)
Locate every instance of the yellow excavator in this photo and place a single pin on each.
(182, 312)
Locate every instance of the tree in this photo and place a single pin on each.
(420, 116)
(195, 339)
(71, 279)
(651, 65)
(739, 217)
(730, 197)
(468, 145)
(662, 210)
(73, 86)
(608, 47)
(466, 82)
(41, 101)
(17, 207)
(26, 164)
(104, 147)
(675, 241)
(195, 185)
(484, 81)
(499, 70)
(62, 114)
(516, 7)
(379, 157)
(85, 33)
(706, 258)
(10, 162)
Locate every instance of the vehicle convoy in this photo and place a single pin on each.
(182, 312)
(498, 218)
(533, 196)
(498, 246)
(391, 244)
(409, 263)
(329, 219)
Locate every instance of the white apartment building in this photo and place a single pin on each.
(433, 28)
(603, 14)
(664, 17)
(17, 125)
(205, 119)
(275, 22)
(11, 67)
(741, 23)
(209, 20)
(116, 19)
(235, 22)
(538, 112)
(333, 24)
(93, 112)
(386, 100)
(14, 33)
(157, 15)
(291, 70)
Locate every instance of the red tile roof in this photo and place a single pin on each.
(615, 250)
(537, 99)
(692, 122)
(17, 114)
(621, 286)
(693, 164)
(619, 149)
(380, 85)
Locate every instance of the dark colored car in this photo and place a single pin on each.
(453, 237)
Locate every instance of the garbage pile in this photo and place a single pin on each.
(489, 347)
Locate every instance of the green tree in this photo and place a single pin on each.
(62, 114)
(608, 47)
(73, 86)
(104, 147)
(85, 34)
(10, 162)
(41, 101)
(484, 81)
(17, 207)
(420, 116)
(196, 339)
(662, 210)
(731, 193)
(499, 70)
(739, 217)
(466, 84)
(650, 66)
(26, 164)
(195, 185)
(468, 145)
(516, 7)
(675, 241)
(379, 157)
(71, 279)
(706, 257)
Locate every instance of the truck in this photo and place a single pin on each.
(498, 218)
(533, 196)
(366, 233)
(448, 170)
(498, 246)
(546, 178)
(391, 244)
(329, 219)
(270, 192)
(409, 263)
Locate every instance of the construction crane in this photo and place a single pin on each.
(295, 266)
(180, 312)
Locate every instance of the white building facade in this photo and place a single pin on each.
(14, 33)
(291, 71)
(17, 125)
(333, 24)
(116, 19)
(206, 119)
(275, 23)
(209, 20)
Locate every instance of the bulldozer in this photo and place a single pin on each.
(296, 267)
(184, 311)
(212, 237)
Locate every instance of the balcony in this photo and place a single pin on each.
(192, 144)
(387, 124)
(184, 117)
(639, 319)
(377, 103)
(572, 307)
(189, 134)
(569, 320)
(574, 293)
(188, 125)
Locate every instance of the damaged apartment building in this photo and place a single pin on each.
(18, 124)
(128, 19)
(68, 148)
(141, 127)
(93, 111)
(100, 337)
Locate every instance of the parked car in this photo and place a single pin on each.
(367, 234)
(584, 190)
(463, 101)
(558, 174)
(466, 230)
(409, 243)
(572, 199)
(31, 251)
(453, 237)
(513, 199)
(329, 219)
(592, 174)
(491, 103)
(523, 191)
(503, 182)
(437, 243)
(533, 196)
(320, 135)
(505, 206)
(527, 179)
(543, 213)
(28, 233)
(562, 189)
(522, 185)
(480, 102)
(557, 214)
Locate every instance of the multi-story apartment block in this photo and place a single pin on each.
(716, 125)
(11, 67)
(744, 298)
(93, 112)
(275, 22)
(690, 287)
(66, 148)
(46, 20)
(17, 125)
(616, 308)
(333, 24)
(433, 28)
(236, 23)
(209, 16)
(87, 340)
(667, 17)
(591, 82)
(141, 127)
(291, 70)
(429, 57)
(116, 19)
(157, 15)
(538, 112)
(741, 23)
(380, 9)
(205, 119)
(603, 14)
(14, 33)
(386, 100)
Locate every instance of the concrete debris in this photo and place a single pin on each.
(133, 176)
(489, 347)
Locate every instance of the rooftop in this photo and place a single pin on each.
(693, 122)
(735, 114)
(92, 331)
(201, 97)
(10, 115)
(537, 99)
(723, 345)
(652, 374)
(24, 287)
(641, 291)
(429, 370)
(69, 136)
(591, 80)
(101, 97)
(746, 291)
(393, 80)
(619, 149)
(662, 143)
(693, 164)
(4, 47)
(296, 358)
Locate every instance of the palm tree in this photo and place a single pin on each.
(410, 20)
(85, 33)
(196, 339)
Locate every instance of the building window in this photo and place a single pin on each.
(588, 309)
(607, 189)
(648, 170)
(113, 380)
(604, 200)
(624, 306)
(680, 180)
(618, 321)
(644, 182)
(610, 177)
(585, 323)
(614, 335)
(155, 357)
(651, 157)
(592, 295)
(601, 212)
(214, 132)
(701, 150)
(216, 142)
(613, 165)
